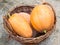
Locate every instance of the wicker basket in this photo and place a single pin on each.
(38, 37)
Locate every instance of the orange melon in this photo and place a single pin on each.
(20, 25)
(42, 18)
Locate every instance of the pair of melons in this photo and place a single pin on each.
(41, 18)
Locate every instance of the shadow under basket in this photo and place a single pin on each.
(38, 37)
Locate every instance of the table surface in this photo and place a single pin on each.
(5, 5)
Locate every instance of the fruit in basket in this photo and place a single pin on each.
(20, 25)
(26, 16)
(42, 18)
